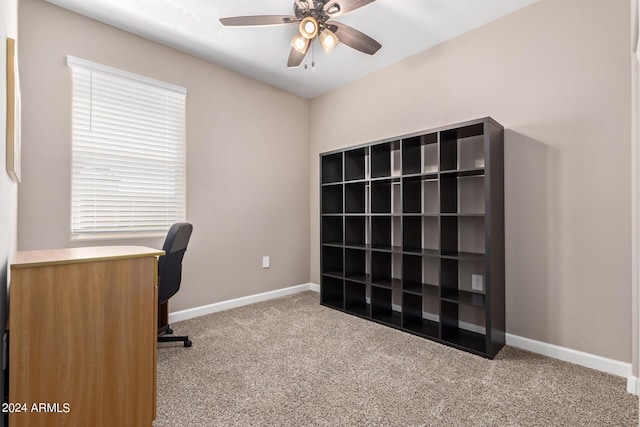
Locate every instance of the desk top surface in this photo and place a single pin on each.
(26, 259)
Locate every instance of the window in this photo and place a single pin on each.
(128, 152)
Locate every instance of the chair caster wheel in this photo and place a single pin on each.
(169, 331)
(188, 343)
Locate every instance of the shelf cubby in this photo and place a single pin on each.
(332, 292)
(355, 265)
(355, 199)
(355, 298)
(332, 199)
(332, 168)
(413, 234)
(471, 195)
(381, 197)
(381, 269)
(455, 283)
(449, 235)
(332, 230)
(396, 197)
(396, 232)
(412, 195)
(355, 164)
(419, 154)
(411, 155)
(385, 159)
(412, 274)
(413, 318)
(448, 194)
(431, 274)
(381, 232)
(462, 148)
(462, 235)
(471, 234)
(430, 233)
(430, 199)
(452, 332)
(355, 231)
(332, 262)
(382, 308)
(470, 270)
(429, 153)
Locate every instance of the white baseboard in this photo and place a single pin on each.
(588, 360)
(581, 358)
(632, 385)
(190, 313)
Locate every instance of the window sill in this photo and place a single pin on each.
(116, 236)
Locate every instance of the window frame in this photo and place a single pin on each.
(182, 200)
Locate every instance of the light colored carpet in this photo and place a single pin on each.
(293, 362)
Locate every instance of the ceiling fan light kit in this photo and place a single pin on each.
(315, 21)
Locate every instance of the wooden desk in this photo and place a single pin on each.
(83, 332)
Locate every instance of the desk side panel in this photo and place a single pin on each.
(80, 335)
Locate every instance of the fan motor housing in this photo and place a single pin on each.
(317, 12)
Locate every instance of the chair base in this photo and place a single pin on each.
(187, 342)
(164, 335)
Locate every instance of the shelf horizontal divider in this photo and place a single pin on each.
(360, 278)
(429, 176)
(387, 283)
(334, 274)
(463, 214)
(362, 310)
(422, 326)
(422, 289)
(412, 287)
(467, 339)
(390, 317)
(463, 297)
(463, 172)
(333, 302)
(462, 255)
(333, 244)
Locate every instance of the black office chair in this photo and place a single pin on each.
(170, 273)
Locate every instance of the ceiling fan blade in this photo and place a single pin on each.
(354, 38)
(339, 7)
(239, 21)
(296, 58)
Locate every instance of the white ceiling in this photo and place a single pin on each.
(403, 27)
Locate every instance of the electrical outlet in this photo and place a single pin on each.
(265, 262)
(476, 282)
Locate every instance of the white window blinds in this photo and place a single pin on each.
(128, 152)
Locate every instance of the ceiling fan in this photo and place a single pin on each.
(315, 20)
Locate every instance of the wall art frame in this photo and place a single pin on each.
(13, 113)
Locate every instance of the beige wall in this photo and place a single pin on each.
(247, 151)
(557, 75)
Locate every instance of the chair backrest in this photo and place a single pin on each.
(170, 264)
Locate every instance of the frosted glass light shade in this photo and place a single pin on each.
(328, 40)
(300, 43)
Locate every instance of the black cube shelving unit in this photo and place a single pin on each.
(412, 234)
